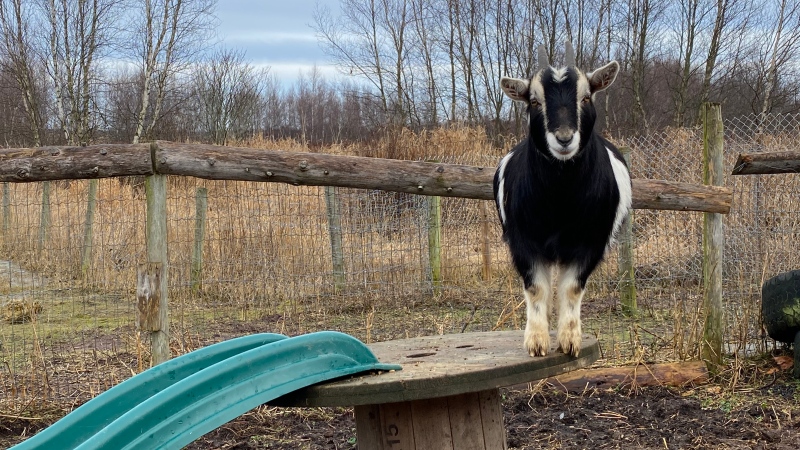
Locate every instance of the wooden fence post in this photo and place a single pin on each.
(156, 237)
(711, 350)
(435, 242)
(148, 297)
(200, 210)
(625, 266)
(88, 224)
(335, 231)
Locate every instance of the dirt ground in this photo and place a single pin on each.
(653, 418)
(544, 417)
(755, 404)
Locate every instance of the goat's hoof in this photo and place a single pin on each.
(569, 340)
(537, 343)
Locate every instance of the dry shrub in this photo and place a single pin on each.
(20, 310)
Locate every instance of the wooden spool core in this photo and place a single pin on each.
(446, 396)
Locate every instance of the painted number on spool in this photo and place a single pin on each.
(392, 432)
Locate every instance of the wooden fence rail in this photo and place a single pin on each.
(314, 169)
(159, 159)
(767, 163)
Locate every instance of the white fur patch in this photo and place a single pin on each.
(559, 75)
(501, 193)
(569, 303)
(569, 296)
(623, 178)
(538, 300)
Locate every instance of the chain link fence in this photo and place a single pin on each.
(266, 257)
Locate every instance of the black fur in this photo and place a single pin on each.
(559, 212)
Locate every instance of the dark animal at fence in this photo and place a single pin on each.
(561, 195)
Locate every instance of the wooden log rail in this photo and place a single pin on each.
(767, 163)
(313, 169)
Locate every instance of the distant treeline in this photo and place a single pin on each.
(78, 72)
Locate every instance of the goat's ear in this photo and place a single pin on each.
(516, 89)
(603, 77)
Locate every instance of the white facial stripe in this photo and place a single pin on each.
(583, 90)
(623, 178)
(501, 193)
(537, 93)
(583, 86)
(536, 89)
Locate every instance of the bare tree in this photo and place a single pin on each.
(585, 22)
(690, 19)
(20, 61)
(356, 42)
(783, 43)
(638, 17)
(171, 32)
(227, 96)
(425, 26)
(721, 18)
(79, 32)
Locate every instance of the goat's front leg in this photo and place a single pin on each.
(537, 295)
(570, 294)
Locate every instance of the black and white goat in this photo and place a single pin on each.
(561, 194)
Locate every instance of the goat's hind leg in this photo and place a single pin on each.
(571, 287)
(537, 295)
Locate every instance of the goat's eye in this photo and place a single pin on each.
(535, 103)
(586, 99)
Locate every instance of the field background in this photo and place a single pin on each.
(267, 264)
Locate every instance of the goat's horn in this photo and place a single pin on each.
(570, 55)
(543, 60)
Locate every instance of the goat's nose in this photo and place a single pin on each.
(563, 140)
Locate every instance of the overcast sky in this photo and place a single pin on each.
(276, 33)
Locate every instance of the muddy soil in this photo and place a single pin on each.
(653, 418)
(547, 418)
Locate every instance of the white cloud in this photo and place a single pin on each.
(275, 34)
(271, 37)
(289, 73)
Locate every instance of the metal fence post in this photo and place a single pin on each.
(45, 217)
(625, 269)
(435, 242)
(486, 245)
(6, 210)
(88, 226)
(335, 232)
(711, 350)
(201, 208)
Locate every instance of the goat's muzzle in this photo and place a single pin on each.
(563, 143)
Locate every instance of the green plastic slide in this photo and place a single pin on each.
(176, 402)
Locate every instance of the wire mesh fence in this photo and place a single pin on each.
(265, 257)
(761, 230)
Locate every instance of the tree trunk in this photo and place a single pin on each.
(713, 49)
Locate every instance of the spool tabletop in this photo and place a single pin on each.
(446, 396)
(440, 366)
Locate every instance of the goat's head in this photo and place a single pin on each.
(560, 103)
